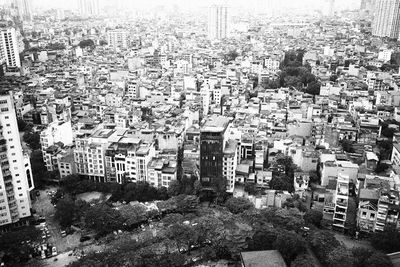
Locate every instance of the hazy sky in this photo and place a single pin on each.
(68, 4)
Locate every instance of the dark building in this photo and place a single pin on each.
(212, 144)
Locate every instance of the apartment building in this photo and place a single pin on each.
(16, 179)
(128, 159)
(9, 47)
(118, 38)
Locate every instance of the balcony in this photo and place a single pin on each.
(7, 178)
(338, 216)
(340, 210)
(341, 203)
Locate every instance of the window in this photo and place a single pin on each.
(4, 109)
(364, 214)
(19, 188)
(20, 195)
(6, 117)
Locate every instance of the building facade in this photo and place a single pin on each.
(9, 47)
(16, 180)
(387, 19)
(212, 146)
(218, 22)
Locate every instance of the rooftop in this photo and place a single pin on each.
(215, 124)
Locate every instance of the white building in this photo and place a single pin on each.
(218, 22)
(24, 9)
(386, 19)
(89, 7)
(56, 132)
(118, 38)
(9, 47)
(15, 177)
(385, 54)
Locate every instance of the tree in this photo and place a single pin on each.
(387, 241)
(286, 162)
(314, 177)
(295, 202)
(186, 204)
(338, 257)
(263, 239)
(313, 217)
(32, 139)
(238, 205)
(184, 235)
(86, 43)
(313, 88)
(303, 260)
(22, 125)
(13, 244)
(281, 182)
(172, 218)
(290, 245)
(378, 259)
(66, 211)
(250, 188)
(103, 219)
(174, 188)
(322, 243)
(289, 219)
(232, 55)
(103, 42)
(347, 146)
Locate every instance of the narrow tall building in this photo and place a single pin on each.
(89, 8)
(212, 145)
(15, 176)
(218, 22)
(9, 47)
(387, 19)
(24, 9)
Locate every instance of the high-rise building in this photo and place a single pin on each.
(9, 47)
(218, 22)
(24, 9)
(89, 7)
(213, 141)
(387, 19)
(118, 38)
(15, 176)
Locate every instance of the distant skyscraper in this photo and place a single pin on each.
(218, 22)
(24, 9)
(9, 47)
(387, 19)
(89, 7)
